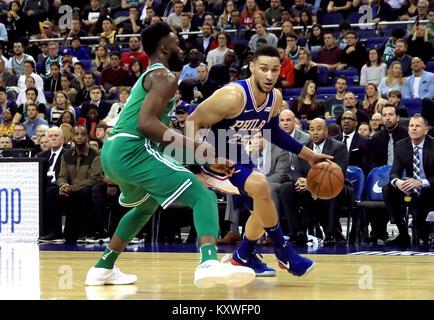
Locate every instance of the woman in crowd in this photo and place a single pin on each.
(371, 98)
(60, 104)
(374, 70)
(15, 22)
(247, 14)
(67, 134)
(305, 22)
(136, 72)
(365, 130)
(393, 80)
(116, 107)
(306, 69)
(259, 17)
(30, 83)
(316, 38)
(102, 60)
(287, 28)
(306, 107)
(225, 17)
(7, 126)
(380, 104)
(65, 81)
(40, 132)
(66, 117)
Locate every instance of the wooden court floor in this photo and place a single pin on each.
(26, 273)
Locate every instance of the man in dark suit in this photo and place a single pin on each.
(381, 152)
(96, 99)
(52, 224)
(357, 145)
(294, 196)
(203, 44)
(21, 140)
(415, 155)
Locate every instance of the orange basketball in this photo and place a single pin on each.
(325, 180)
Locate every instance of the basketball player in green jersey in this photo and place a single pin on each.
(147, 178)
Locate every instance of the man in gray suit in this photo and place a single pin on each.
(287, 123)
(296, 195)
(9, 78)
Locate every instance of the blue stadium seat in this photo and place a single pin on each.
(346, 72)
(376, 179)
(413, 106)
(375, 42)
(332, 18)
(430, 66)
(357, 178)
(293, 92)
(301, 41)
(124, 50)
(86, 64)
(329, 122)
(39, 67)
(322, 76)
(77, 113)
(323, 96)
(97, 77)
(121, 13)
(326, 90)
(358, 91)
(48, 95)
(354, 17)
(192, 107)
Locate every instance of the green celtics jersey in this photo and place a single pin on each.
(129, 116)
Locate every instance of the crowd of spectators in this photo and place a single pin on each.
(61, 91)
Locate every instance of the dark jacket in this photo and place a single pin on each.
(45, 155)
(359, 151)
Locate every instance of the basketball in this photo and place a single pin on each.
(325, 180)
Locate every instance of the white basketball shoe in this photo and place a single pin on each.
(213, 272)
(102, 276)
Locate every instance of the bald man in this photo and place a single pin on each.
(296, 195)
(287, 122)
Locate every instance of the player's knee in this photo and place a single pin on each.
(258, 187)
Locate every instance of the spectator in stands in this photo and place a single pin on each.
(67, 135)
(396, 6)
(357, 145)
(273, 14)
(136, 72)
(10, 79)
(29, 70)
(6, 103)
(418, 44)
(287, 28)
(61, 103)
(315, 38)
(305, 22)
(351, 104)
(101, 132)
(189, 71)
(150, 14)
(354, 54)
(33, 120)
(5, 142)
(216, 56)
(80, 170)
(382, 11)
(52, 219)
(114, 76)
(42, 144)
(236, 25)
(380, 104)
(259, 17)
(365, 130)
(411, 155)
(68, 62)
(35, 11)
(374, 70)
(296, 9)
(175, 17)
(296, 195)
(16, 63)
(181, 114)
(44, 53)
(341, 6)
(393, 81)
(372, 96)
(292, 49)
(65, 81)
(287, 75)
(116, 107)
(204, 87)
(132, 25)
(108, 30)
(203, 44)
(420, 14)
(394, 98)
(32, 97)
(102, 60)
(134, 53)
(344, 27)
(334, 105)
(7, 125)
(41, 131)
(247, 14)
(199, 16)
(52, 83)
(91, 119)
(219, 73)
(330, 55)
(261, 33)
(376, 123)
(306, 107)
(53, 57)
(20, 138)
(186, 26)
(401, 55)
(76, 30)
(76, 50)
(430, 26)
(225, 18)
(15, 24)
(96, 95)
(388, 47)
(66, 117)
(2, 57)
(47, 31)
(83, 94)
(305, 69)
(22, 96)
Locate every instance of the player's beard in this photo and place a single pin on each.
(258, 85)
(175, 63)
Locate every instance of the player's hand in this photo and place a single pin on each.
(224, 166)
(319, 157)
(301, 185)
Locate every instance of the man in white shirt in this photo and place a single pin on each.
(29, 70)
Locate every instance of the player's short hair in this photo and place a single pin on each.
(268, 51)
(396, 93)
(152, 35)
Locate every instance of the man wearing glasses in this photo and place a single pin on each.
(355, 55)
